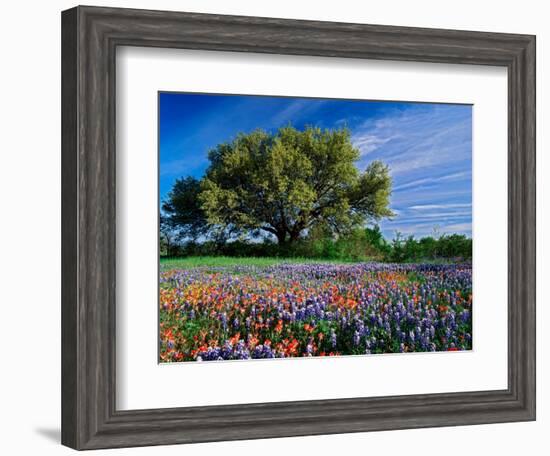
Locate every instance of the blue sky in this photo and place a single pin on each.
(427, 146)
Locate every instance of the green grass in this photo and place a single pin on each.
(213, 261)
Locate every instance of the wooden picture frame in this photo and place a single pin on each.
(90, 36)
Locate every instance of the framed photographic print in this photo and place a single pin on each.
(338, 220)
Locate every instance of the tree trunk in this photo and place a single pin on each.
(281, 237)
(294, 236)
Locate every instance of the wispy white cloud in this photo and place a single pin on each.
(182, 166)
(427, 207)
(440, 215)
(432, 195)
(428, 149)
(421, 229)
(298, 109)
(458, 228)
(453, 177)
(439, 149)
(417, 139)
(367, 143)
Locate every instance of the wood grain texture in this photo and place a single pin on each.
(90, 36)
(69, 230)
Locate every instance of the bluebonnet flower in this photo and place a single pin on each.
(333, 339)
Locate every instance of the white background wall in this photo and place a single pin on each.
(30, 226)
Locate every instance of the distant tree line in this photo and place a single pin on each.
(361, 244)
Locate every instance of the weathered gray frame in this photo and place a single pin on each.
(90, 36)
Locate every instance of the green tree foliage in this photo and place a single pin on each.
(167, 238)
(290, 182)
(360, 244)
(183, 213)
(445, 247)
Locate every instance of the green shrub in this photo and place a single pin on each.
(358, 245)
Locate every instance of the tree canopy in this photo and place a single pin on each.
(183, 211)
(285, 184)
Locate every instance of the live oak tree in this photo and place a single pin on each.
(284, 184)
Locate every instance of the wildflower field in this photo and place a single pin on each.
(277, 310)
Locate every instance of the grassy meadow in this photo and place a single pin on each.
(229, 262)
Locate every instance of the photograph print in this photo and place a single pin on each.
(294, 227)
